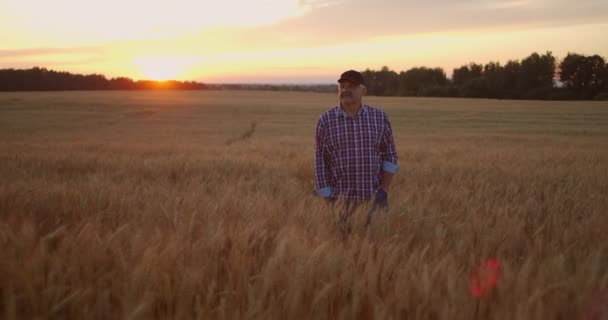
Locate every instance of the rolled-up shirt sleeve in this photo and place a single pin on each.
(322, 170)
(387, 149)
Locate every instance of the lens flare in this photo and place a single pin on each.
(598, 306)
(484, 278)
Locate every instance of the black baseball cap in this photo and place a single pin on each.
(352, 75)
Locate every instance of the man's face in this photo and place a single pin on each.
(350, 92)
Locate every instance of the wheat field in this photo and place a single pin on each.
(198, 205)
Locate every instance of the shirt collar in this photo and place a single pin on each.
(341, 112)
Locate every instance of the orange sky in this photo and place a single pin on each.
(288, 41)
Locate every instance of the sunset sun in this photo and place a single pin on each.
(163, 67)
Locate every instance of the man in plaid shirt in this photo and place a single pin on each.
(355, 156)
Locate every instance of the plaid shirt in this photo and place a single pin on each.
(351, 152)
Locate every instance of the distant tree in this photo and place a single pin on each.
(604, 94)
(495, 79)
(585, 75)
(95, 82)
(511, 72)
(460, 75)
(536, 75)
(381, 83)
(468, 80)
(466, 73)
(421, 80)
(122, 83)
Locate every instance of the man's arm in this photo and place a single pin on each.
(322, 171)
(389, 155)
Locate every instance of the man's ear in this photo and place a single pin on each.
(364, 90)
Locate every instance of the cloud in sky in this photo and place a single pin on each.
(25, 53)
(354, 19)
(277, 35)
(63, 21)
(60, 22)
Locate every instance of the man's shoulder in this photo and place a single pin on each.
(375, 111)
(336, 111)
(329, 113)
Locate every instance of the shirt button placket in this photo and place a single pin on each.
(356, 151)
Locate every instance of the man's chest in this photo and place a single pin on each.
(362, 134)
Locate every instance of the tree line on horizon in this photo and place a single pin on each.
(537, 76)
(576, 77)
(42, 79)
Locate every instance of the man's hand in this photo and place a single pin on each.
(328, 200)
(381, 199)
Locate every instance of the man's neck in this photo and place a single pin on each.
(351, 109)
